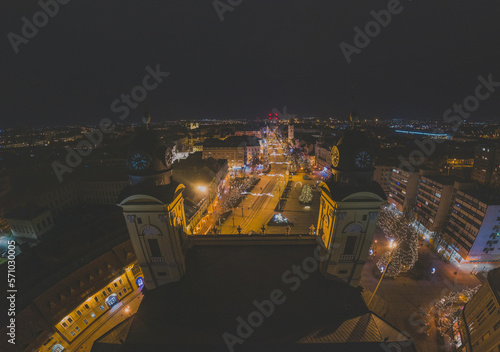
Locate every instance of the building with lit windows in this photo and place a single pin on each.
(478, 326)
(484, 157)
(382, 175)
(433, 203)
(473, 229)
(30, 222)
(237, 150)
(403, 189)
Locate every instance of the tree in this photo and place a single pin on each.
(398, 228)
(448, 308)
(306, 195)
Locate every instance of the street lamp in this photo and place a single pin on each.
(201, 188)
(392, 245)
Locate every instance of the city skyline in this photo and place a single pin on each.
(260, 56)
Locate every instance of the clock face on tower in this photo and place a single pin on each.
(335, 156)
(139, 161)
(168, 157)
(363, 159)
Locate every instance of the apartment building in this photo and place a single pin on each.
(239, 151)
(433, 203)
(484, 157)
(403, 189)
(473, 229)
(478, 328)
(30, 222)
(382, 174)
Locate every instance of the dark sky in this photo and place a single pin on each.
(264, 55)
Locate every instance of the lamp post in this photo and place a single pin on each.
(393, 246)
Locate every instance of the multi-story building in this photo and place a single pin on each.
(433, 203)
(473, 229)
(30, 222)
(495, 177)
(382, 175)
(478, 327)
(484, 157)
(239, 151)
(403, 189)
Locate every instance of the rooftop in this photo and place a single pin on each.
(223, 282)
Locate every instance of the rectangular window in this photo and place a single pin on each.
(92, 315)
(120, 294)
(85, 321)
(115, 284)
(96, 299)
(79, 313)
(72, 333)
(349, 245)
(125, 290)
(77, 328)
(102, 307)
(154, 247)
(109, 289)
(70, 320)
(342, 272)
(139, 221)
(87, 306)
(120, 281)
(104, 293)
(64, 325)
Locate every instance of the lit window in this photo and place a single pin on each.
(72, 333)
(77, 328)
(92, 315)
(102, 307)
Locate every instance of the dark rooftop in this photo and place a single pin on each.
(221, 284)
(26, 213)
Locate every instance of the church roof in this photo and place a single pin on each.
(223, 282)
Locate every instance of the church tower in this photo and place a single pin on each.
(153, 208)
(350, 204)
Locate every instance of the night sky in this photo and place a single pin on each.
(264, 55)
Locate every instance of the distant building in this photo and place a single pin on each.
(291, 133)
(484, 157)
(478, 328)
(30, 222)
(239, 151)
(495, 177)
(473, 230)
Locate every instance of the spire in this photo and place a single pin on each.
(146, 119)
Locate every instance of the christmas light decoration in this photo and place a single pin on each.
(397, 228)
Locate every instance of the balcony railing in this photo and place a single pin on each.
(346, 258)
(157, 260)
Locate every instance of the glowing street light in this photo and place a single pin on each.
(202, 188)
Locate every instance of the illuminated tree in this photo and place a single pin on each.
(306, 195)
(448, 308)
(399, 230)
